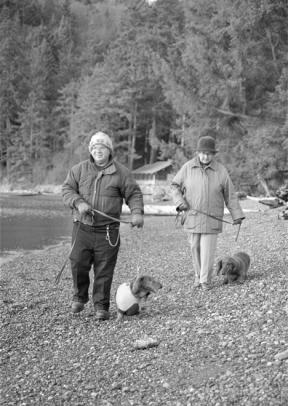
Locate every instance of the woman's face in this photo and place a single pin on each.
(205, 157)
(100, 154)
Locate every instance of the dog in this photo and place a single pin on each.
(131, 296)
(234, 268)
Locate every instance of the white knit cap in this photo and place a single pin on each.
(100, 138)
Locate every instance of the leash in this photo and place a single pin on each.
(182, 215)
(58, 276)
(238, 232)
(139, 256)
(92, 212)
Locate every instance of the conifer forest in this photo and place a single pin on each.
(153, 75)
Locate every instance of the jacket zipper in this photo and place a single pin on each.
(206, 193)
(95, 200)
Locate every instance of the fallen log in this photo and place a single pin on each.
(272, 202)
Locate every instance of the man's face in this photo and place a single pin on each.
(100, 154)
(205, 157)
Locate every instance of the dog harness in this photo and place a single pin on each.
(125, 300)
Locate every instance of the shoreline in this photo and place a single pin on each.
(161, 209)
(157, 209)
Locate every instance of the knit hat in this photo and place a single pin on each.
(100, 138)
(206, 144)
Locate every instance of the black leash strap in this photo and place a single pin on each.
(93, 211)
(238, 232)
(58, 276)
(213, 217)
(182, 215)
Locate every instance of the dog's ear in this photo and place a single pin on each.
(233, 268)
(136, 285)
(218, 267)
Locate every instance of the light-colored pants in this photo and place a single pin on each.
(203, 248)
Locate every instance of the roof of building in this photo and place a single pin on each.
(150, 169)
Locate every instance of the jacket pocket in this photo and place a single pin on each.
(85, 188)
(215, 224)
(192, 220)
(111, 204)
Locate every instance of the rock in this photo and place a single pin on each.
(116, 385)
(282, 355)
(145, 342)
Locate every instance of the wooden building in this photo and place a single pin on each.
(153, 174)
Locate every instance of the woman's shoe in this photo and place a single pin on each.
(205, 286)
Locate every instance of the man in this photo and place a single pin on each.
(99, 183)
(203, 184)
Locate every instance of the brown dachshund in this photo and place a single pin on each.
(234, 268)
(130, 296)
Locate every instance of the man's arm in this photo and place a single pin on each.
(71, 197)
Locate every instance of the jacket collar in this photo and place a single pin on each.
(106, 170)
(195, 163)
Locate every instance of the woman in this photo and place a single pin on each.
(203, 184)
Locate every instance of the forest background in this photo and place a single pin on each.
(152, 75)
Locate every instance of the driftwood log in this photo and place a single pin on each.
(272, 202)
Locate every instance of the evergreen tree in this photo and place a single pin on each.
(153, 75)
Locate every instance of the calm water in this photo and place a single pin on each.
(32, 222)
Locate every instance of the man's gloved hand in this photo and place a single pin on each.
(183, 207)
(83, 208)
(237, 221)
(137, 220)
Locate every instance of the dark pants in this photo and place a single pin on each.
(92, 247)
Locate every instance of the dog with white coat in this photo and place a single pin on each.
(130, 296)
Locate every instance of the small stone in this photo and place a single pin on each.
(116, 385)
(125, 389)
(282, 355)
(145, 342)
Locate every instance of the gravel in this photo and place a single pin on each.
(219, 347)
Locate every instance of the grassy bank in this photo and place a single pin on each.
(215, 348)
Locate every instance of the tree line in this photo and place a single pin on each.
(153, 75)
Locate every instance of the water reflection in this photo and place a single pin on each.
(32, 232)
(32, 222)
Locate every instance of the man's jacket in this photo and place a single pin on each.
(206, 190)
(103, 189)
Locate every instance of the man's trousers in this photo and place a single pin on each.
(93, 246)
